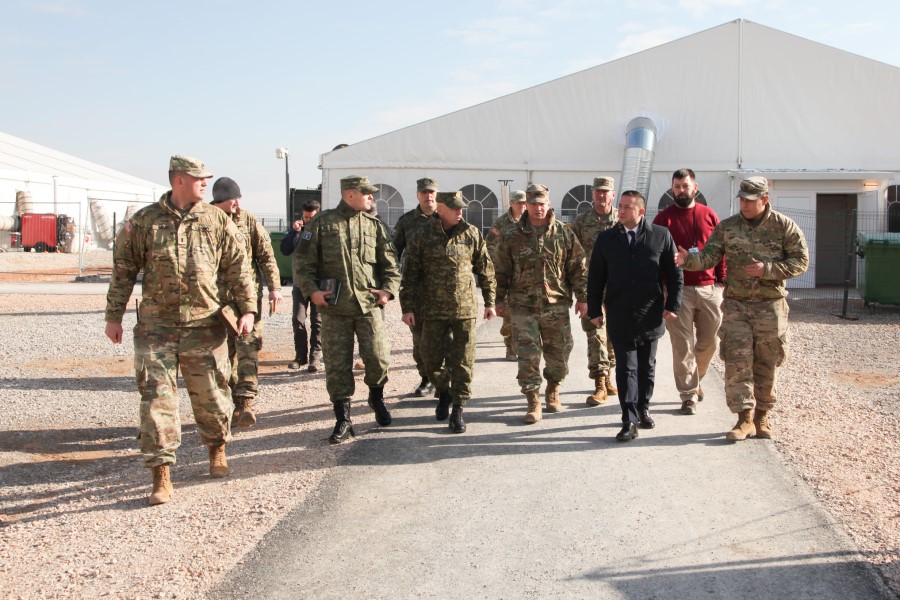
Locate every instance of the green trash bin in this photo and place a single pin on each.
(285, 266)
(879, 282)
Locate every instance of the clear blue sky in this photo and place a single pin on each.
(126, 84)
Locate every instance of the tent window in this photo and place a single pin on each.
(576, 201)
(893, 208)
(390, 204)
(483, 208)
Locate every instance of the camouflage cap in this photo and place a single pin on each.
(604, 183)
(190, 165)
(517, 196)
(427, 184)
(358, 182)
(753, 188)
(537, 192)
(452, 199)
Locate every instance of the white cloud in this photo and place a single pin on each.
(60, 7)
(495, 30)
(637, 42)
(700, 8)
(521, 19)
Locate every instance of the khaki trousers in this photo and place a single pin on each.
(694, 337)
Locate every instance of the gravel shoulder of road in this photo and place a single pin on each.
(73, 511)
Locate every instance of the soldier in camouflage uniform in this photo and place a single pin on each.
(437, 291)
(516, 208)
(587, 226)
(185, 248)
(540, 266)
(763, 249)
(420, 216)
(244, 350)
(346, 246)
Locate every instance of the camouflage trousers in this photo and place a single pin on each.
(202, 355)
(506, 331)
(753, 344)
(338, 333)
(538, 331)
(416, 331)
(694, 337)
(448, 349)
(243, 352)
(601, 357)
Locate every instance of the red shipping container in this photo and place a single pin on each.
(39, 232)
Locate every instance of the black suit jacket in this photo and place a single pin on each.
(633, 280)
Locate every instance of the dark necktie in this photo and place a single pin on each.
(631, 240)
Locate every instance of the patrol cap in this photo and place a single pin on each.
(452, 199)
(190, 165)
(427, 184)
(753, 188)
(604, 183)
(358, 182)
(517, 196)
(537, 193)
(225, 188)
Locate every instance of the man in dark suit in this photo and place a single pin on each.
(632, 262)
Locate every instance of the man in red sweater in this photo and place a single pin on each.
(694, 332)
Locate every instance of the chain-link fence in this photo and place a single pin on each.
(854, 260)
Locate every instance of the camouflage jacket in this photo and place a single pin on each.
(776, 241)
(406, 224)
(183, 258)
(496, 233)
(535, 270)
(258, 248)
(588, 225)
(437, 280)
(350, 246)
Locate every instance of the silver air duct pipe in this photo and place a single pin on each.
(637, 166)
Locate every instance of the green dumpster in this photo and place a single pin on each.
(285, 268)
(879, 282)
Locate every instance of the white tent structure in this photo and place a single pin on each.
(728, 102)
(53, 182)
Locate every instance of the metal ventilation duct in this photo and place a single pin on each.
(637, 166)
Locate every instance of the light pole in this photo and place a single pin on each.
(283, 153)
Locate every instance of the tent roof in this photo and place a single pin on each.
(737, 96)
(17, 154)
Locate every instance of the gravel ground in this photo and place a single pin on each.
(73, 512)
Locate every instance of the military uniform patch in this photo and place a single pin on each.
(306, 235)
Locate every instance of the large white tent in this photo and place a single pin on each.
(734, 100)
(58, 183)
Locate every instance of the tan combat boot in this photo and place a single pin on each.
(551, 396)
(534, 407)
(761, 422)
(599, 396)
(744, 427)
(238, 409)
(247, 417)
(162, 486)
(218, 467)
(611, 389)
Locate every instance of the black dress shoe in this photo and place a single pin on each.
(646, 421)
(628, 433)
(443, 406)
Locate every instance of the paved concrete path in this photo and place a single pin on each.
(558, 509)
